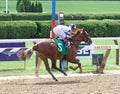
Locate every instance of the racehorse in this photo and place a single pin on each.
(47, 48)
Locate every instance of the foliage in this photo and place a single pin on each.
(44, 28)
(41, 29)
(17, 29)
(96, 28)
(5, 17)
(31, 16)
(39, 7)
(27, 6)
(20, 7)
(71, 16)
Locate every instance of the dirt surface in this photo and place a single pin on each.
(86, 83)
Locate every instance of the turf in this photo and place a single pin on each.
(72, 6)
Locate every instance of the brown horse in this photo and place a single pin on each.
(47, 48)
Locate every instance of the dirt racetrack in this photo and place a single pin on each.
(86, 83)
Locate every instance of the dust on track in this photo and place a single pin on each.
(86, 83)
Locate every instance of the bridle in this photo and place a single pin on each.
(74, 44)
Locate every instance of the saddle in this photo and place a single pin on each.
(61, 46)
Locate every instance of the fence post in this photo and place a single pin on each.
(117, 53)
(104, 60)
(63, 63)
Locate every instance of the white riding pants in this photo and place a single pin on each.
(59, 32)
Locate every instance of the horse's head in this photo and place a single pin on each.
(86, 36)
(81, 35)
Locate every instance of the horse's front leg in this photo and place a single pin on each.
(76, 61)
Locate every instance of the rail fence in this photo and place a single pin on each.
(98, 45)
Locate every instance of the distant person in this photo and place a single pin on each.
(63, 32)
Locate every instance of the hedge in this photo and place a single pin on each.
(47, 16)
(100, 28)
(41, 29)
(44, 28)
(31, 16)
(115, 16)
(5, 17)
(96, 28)
(17, 29)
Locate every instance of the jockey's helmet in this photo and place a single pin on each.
(72, 26)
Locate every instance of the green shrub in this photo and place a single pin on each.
(27, 4)
(20, 7)
(99, 28)
(43, 29)
(47, 16)
(39, 7)
(96, 28)
(17, 29)
(31, 16)
(23, 5)
(5, 17)
(92, 16)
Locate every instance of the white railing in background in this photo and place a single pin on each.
(38, 39)
(91, 47)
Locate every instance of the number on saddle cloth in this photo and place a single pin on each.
(61, 46)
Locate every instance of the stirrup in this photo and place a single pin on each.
(67, 45)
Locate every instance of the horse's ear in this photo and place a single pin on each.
(83, 30)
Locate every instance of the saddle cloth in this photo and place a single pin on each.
(61, 46)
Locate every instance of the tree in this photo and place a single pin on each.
(23, 5)
(32, 7)
(20, 6)
(39, 7)
(27, 4)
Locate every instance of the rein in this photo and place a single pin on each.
(71, 42)
(74, 40)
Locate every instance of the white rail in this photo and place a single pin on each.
(18, 40)
(38, 39)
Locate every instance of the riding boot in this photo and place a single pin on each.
(66, 42)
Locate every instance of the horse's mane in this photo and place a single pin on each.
(75, 33)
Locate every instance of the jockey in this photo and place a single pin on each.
(63, 32)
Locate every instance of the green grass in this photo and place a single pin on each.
(16, 68)
(72, 6)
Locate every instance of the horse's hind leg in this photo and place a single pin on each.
(38, 66)
(55, 67)
(48, 68)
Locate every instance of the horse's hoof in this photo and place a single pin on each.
(55, 79)
(36, 74)
(100, 70)
(65, 74)
(80, 71)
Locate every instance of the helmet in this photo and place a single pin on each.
(72, 26)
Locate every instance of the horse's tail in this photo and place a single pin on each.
(28, 53)
(35, 47)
